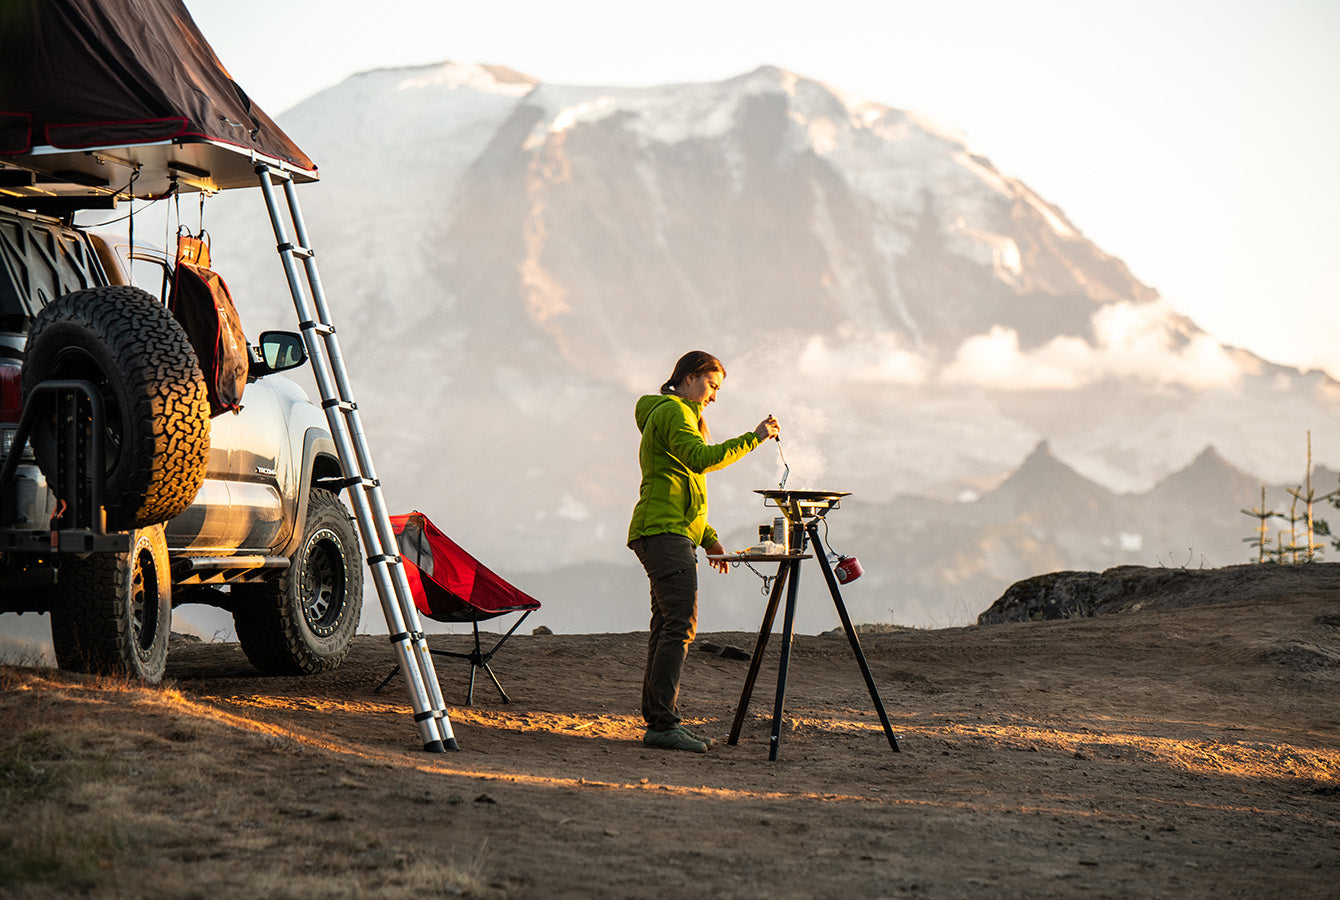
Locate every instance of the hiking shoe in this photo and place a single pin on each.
(674, 739)
(695, 735)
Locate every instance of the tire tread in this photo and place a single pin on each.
(167, 445)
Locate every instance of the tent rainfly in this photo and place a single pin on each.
(107, 97)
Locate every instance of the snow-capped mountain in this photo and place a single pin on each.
(512, 263)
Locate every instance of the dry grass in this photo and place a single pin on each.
(121, 790)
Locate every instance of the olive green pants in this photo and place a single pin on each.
(671, 564)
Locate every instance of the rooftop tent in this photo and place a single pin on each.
(93, 91)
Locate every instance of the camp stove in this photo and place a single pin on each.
(800, 508)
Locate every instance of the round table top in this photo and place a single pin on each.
(758, 557)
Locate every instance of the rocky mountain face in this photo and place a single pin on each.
(512, 263)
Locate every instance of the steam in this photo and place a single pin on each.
(804, 434)
(767, 379)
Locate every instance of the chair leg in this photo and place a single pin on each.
(386, 681)
(478, 659)
(497, 684)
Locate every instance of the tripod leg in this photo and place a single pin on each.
(788, 632)
(851, 637)
(769, 614)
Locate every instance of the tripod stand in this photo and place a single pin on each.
(803, 510)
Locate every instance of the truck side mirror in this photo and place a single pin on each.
(277, 351)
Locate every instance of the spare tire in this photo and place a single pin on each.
(125, 342)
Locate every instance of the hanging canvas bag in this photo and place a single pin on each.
(200, 301)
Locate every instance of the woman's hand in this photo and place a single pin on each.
(768, 428)
(721, 565)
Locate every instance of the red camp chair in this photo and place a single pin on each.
(450, 585)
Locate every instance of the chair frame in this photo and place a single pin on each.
(478, 658)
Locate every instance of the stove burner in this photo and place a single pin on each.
(798, 506)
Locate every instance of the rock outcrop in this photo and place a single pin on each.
(1072, 595)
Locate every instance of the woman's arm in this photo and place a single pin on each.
(687, 444)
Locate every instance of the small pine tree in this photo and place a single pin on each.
(1302, 547)
(1263, 516)
(1308, 497)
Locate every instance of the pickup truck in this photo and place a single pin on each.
(239, 511)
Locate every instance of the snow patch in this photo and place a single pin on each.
(455, 76)
(932, 127)
(589, 111)
(1058, 224)
(666, 115)
(822, 132)
(999, 252)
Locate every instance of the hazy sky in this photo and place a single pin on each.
(1193, 139)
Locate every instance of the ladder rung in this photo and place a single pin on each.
(318, 327)
(345, 405)
(352, 481)
(289, 247)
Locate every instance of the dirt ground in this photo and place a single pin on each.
(1176, 752)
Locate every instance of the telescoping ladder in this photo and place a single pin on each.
(361, 481)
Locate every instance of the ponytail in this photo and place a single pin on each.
(695, 362)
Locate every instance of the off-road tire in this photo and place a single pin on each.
(303, 621)
(157, 432)
(112, 612)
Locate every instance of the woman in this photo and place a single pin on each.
(670, 523)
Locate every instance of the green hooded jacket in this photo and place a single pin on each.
(674, 459)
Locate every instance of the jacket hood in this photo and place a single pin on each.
(648, 402)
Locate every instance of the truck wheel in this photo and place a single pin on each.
(157, 430)
(303, 621)
(112, 612)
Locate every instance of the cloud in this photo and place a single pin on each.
(1141, 342)
(875, 359)
(995, 360)
(1145, 342)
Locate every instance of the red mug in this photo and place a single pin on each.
(848, 569)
